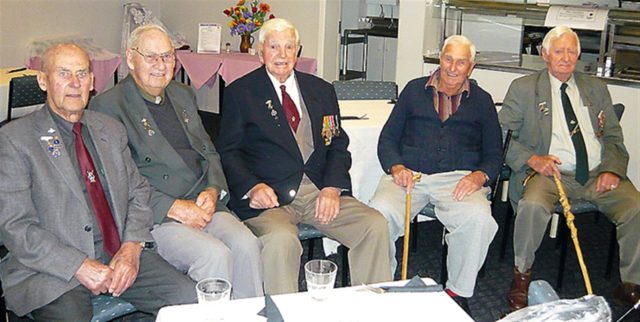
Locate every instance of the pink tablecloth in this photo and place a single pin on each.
(104, 64)
(202, 68)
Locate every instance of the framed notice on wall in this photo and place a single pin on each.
(209, 37)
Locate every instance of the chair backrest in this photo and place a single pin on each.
(619, 110)
(365, 90)
(25, 96)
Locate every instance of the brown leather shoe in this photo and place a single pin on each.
(519, 293)
(626, 294)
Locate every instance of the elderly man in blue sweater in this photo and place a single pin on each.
(445, 127)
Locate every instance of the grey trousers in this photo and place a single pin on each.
(621, 206)
(362, 229)
(225, 248)
(158, 284)
(469, 222)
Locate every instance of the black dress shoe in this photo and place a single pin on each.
(626, 294)
(463, 303)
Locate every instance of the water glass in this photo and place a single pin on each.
(211, 290)
(321, 276)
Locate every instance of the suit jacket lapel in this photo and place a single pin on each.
(47, 132)
(543, 98)
(280, 127)
(587, 96)
(139, 113)
(315, 113)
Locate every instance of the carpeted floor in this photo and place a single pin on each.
(489, 300)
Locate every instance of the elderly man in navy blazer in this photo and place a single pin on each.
(445, 127)
(73, 207)
(286, 160)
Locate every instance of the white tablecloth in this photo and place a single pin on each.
(343, 304)
(363, 135)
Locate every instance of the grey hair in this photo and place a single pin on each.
(460, 40)
(277, 24)
(136, 34)
(556, 33)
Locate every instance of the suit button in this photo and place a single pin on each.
(87, 228)
(204, 148)
(165, 177)
(148, 159)
(292, 193)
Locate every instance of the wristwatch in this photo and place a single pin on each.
(147, 245)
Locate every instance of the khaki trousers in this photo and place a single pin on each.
(621, 206)
(360, 228)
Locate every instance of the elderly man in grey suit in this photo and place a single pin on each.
(563, 124)
(73, 207)
(194, 229)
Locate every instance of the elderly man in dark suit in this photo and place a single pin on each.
(194, 229)
(73, 207)
(563, 123)
(286, 159)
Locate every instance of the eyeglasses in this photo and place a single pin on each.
(167, 57)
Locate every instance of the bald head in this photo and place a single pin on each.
(66, 77)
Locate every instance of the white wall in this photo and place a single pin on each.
(411, 34)
(23, 20)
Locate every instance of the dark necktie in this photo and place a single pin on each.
(110, 237)
(582, 162)
(290, 110)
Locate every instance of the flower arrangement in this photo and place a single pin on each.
(247, 16)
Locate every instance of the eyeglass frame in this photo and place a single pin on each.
(167, 57)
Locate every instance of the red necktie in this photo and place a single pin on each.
(110, 237)
(290, 110)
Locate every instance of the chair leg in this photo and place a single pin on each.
(413, 237)
(563, 254)
(613, 241)
(342, 251)
(312, 243)
(443, 260)
(507, 229)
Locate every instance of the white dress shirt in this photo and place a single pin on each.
(561, 144)
(291, 87)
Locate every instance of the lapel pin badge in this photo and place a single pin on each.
(147, 127)
(53, 144)
(185, 116)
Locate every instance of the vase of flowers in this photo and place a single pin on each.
(246, 18)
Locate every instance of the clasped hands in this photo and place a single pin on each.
(114, 278)
(547, 165)
(465, 187)
(327, 207)
(196, 214)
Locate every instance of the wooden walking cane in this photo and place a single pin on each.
(407, 224)
(566, 207)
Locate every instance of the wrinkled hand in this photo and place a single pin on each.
(188, 213)
(607, 181)
(207, 200)
(261, 196)
(125, 265)
(468, 185)
(402, 177)
(327, 205)
(546, 165)
(95, 276)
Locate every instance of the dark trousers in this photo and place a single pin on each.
(158, 284)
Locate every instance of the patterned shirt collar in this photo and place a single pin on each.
(434, 79)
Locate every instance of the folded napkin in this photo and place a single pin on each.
(414, 285)
(270, 310)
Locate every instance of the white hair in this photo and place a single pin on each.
(277, 24)
(556, 33)
(460, 40)
(136, 34)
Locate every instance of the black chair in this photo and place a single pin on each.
(25, 96)
(429, 211)
(578, 207)
(312, 234)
